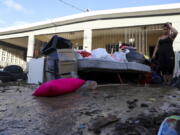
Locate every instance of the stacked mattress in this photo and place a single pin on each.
(102, 64)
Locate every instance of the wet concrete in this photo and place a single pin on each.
(75, 113)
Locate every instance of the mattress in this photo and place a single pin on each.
(109, 65)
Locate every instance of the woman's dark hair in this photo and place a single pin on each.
(166, 25)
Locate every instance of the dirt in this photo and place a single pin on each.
(108, 110)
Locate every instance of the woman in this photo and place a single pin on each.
(164, 53)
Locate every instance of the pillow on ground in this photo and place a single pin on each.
(58, 87)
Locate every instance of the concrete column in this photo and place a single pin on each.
(87, 42)
(0, 54)
(30, 49)
(176, 43)
(176, 47)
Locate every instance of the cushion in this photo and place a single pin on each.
(58, 87)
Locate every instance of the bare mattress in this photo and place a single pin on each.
(87, 64)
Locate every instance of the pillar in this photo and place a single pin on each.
(87, 42)
(176, 47)
(30, 48)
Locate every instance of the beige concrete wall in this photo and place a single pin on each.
(102, 41)
(152, 39)
(77, 42)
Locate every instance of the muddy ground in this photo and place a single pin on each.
(109, 110)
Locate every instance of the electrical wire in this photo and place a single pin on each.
(69, 4)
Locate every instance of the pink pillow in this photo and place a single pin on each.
(58, 87)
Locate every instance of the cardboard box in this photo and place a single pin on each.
(66, 55)
(61, 64)
(67, 67)
(67, 63)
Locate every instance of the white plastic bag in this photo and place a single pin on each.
(101, 53)
(120, 56)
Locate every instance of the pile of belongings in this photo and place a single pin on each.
(52, 56)
(127, 53)
(55, 43)
(132, 55)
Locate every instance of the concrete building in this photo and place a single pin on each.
(90, 30)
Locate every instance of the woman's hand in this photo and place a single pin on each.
(174, 32)
(153, 57)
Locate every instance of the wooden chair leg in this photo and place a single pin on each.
(120, 79)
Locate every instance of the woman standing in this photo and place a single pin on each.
(164, 53)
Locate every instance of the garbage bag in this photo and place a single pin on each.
(13, 69)
(56, 42)
(101, 53)
(6, 77)
(134, 56)
(120, 56)
(16, 72)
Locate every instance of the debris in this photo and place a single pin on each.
(132, 104)
(89, 84)
(107, 96)
(100, 122)
(144, 105)
(90, 112)
(82, 126)
(152, 110)
(142, 125)
(152, 99)
(3, 108)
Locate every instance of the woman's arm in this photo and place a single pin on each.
(155, 49)
(174, 32)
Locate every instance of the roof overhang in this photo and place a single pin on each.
(168, 9)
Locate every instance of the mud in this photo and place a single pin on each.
(108, 110)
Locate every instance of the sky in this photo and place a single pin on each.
(22, 12)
